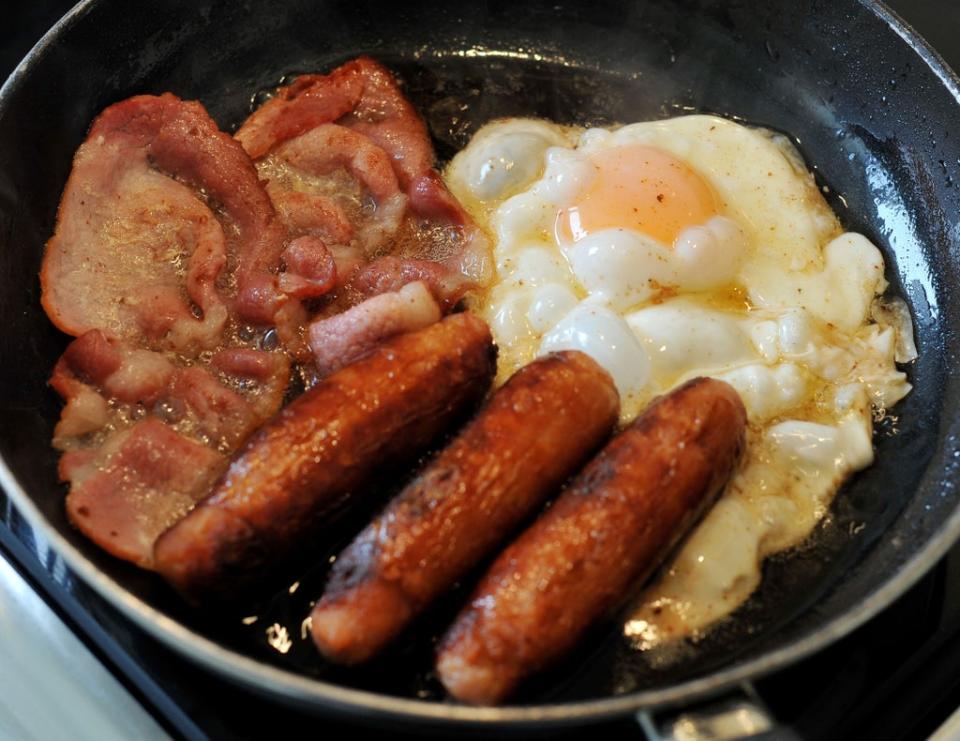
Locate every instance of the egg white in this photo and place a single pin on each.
(770, 295)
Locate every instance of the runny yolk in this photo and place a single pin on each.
(642, 188)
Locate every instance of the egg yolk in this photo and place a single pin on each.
(641, 188)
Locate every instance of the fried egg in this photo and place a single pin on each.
(695, 246)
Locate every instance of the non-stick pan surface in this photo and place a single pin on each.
(870, 107)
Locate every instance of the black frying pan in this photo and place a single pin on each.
(870, 106)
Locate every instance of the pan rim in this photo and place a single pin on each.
(322, 696)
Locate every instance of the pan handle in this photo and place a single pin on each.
(739, 714)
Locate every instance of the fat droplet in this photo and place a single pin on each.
(260, 97)
(270, 340)
(169, 410)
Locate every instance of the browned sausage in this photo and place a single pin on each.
(324, 446)
(581, 559)
(535, 431)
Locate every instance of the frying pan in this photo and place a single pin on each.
(869, 105)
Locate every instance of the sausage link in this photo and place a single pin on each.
(533, 433)
(324, 446)
(579, 561)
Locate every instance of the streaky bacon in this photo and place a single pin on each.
(389, 274)
(217, 414)
(308, 102)
(311, 269)
(194, 149)
(364, 97)
(310, 214)
(269, 372)
(120, 371)
(385, 115)
(138, 252)
(85, 410)
(194, 398)
(166, 239)
(246, 362)
(329, 147)
(343, 338)
(140, 482)
(134, 416)
(93, 356)
(93, 370)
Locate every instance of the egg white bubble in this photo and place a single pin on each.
(603, 335)
(535, 265)
(795, 332)
(509, 321)
(814, 447)
(621, 267)
(567, 174)
(505, 157)
(594, 139)
(766, 391)
(520, 218)
(709, 256)
(875, 348)
(765, 337)
(683, 339)
(849, 397)
(548, 305)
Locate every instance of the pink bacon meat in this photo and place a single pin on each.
(361, 95)
(344, 338)
(167, 243)
(139, 483)
(139, 253)
(145, 437)
(328, 148)
(355, 120)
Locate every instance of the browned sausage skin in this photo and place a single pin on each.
(581, 559)
(533, 433)
(326, 444)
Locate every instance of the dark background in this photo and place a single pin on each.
(937, 20)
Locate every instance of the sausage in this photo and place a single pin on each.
(533, 433)
(605, 534)
(324, 446)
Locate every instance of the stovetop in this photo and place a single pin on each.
(898, 676)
